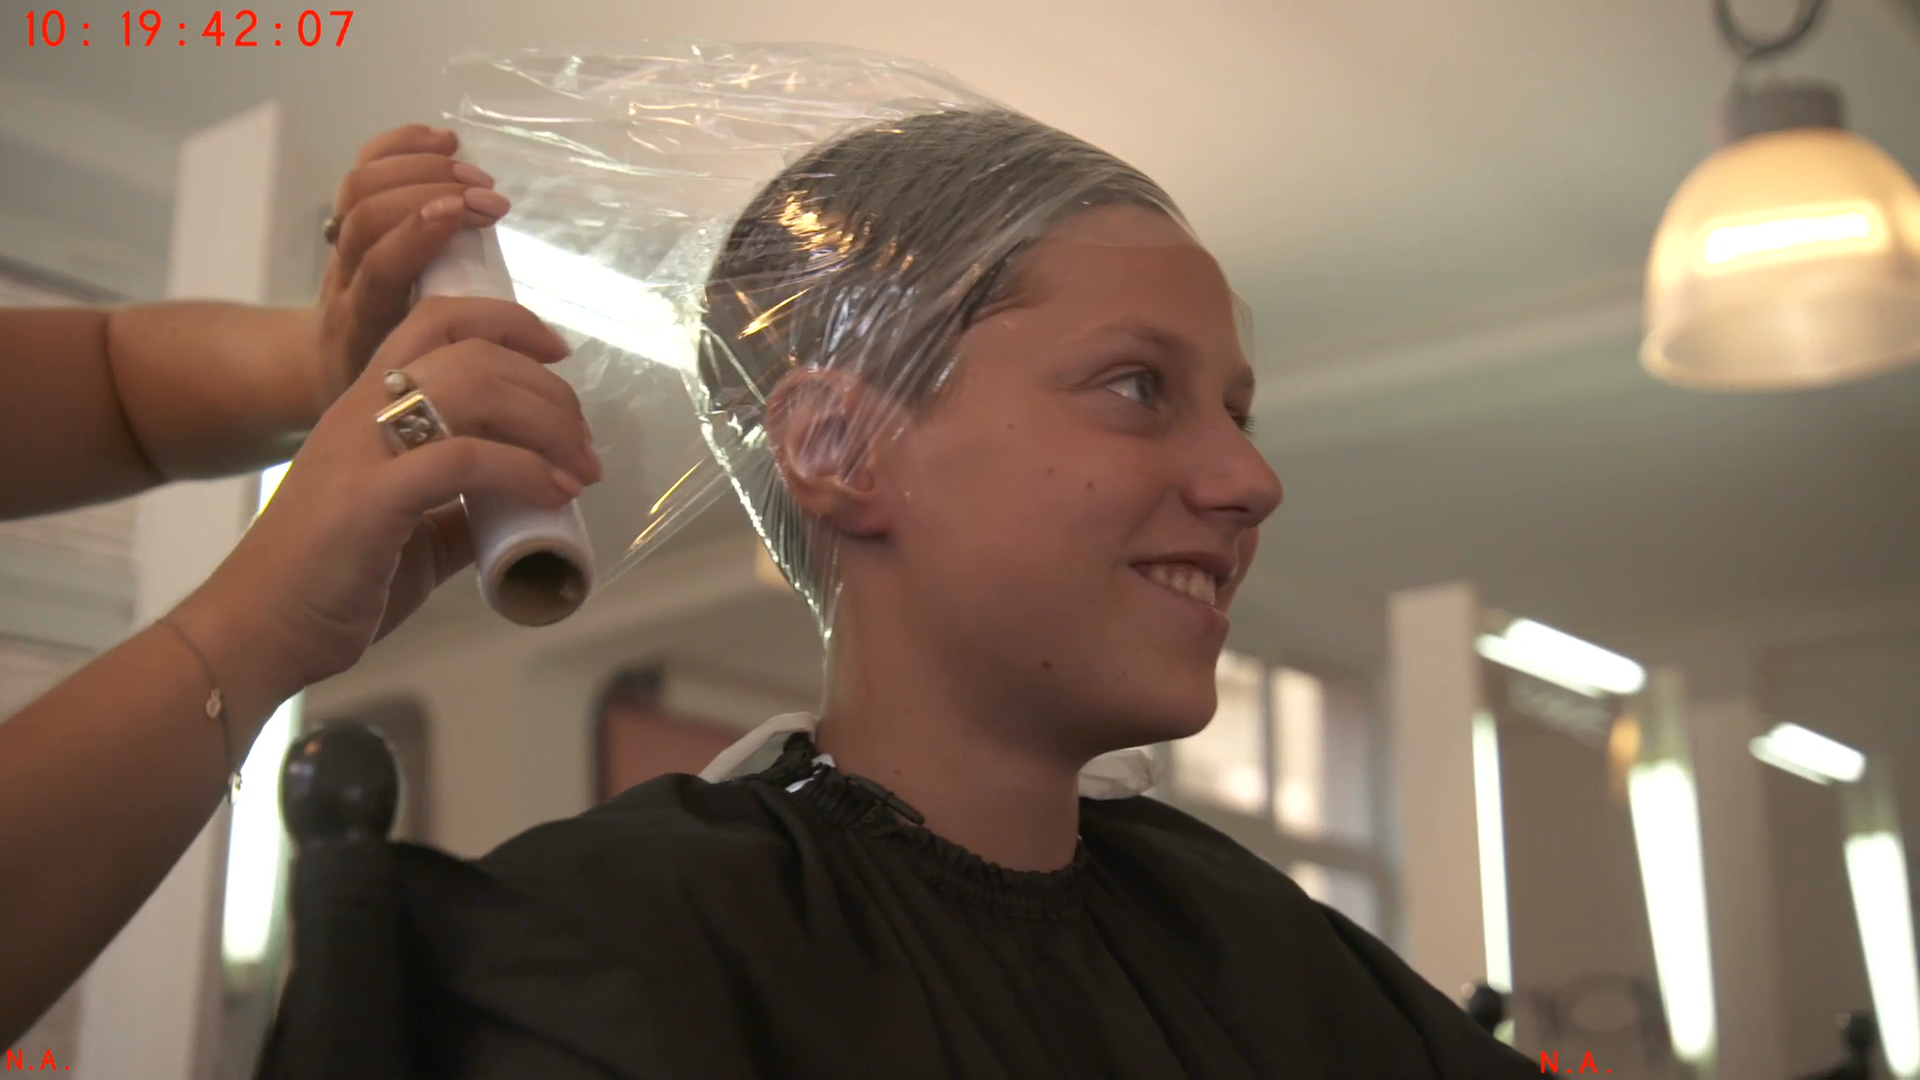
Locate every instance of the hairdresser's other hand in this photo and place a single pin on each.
(358, 535)
(403, 200)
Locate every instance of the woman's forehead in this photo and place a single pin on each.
(1126, 274)
(1163, 303)
(1124, 225)
(1150, 280)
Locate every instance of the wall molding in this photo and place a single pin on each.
(1531, 332)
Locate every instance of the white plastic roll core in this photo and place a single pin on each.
(535, 565)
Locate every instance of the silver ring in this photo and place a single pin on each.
(330, 232)
(411, 423)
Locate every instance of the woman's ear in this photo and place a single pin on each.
(827, 430)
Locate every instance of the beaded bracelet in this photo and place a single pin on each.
(216, 707)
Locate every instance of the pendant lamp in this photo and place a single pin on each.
(1789, 259)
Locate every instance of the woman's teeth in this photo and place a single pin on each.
(1185, 578)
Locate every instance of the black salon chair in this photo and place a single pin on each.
(1487, 1007)
(1859, 1035)
(339, 790)
(410, 964)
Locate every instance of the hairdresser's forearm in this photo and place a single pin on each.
(212, 389)
(104, 783)
(99, 404)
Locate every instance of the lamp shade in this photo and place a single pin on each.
(1788, 259)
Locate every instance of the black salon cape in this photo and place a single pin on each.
(695, 931)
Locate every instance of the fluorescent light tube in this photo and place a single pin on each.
(1488, 816)
(1562, 659)
(1877, 873)
(1805, 234)
(1666, 830)
(1809, 754)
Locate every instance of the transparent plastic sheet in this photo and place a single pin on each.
(725, 230)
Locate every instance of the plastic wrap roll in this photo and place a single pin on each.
(536, 566)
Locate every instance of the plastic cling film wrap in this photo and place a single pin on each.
(765, 257)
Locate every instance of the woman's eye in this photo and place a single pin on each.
(1139, 387)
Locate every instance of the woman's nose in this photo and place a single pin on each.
(1235, 479)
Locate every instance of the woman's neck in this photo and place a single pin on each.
(908, 725)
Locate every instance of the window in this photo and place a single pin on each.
(1300, 774)
(1287, 767)
(1321, 761)
(1286, 743)
(1221, 765)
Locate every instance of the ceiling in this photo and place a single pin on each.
(1437, 211)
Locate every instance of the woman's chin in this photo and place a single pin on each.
(1185, 726)
(1172, 721)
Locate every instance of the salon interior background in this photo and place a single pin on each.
(1439, 213)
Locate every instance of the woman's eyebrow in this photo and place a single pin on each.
(1146, 334)
(1162, 340)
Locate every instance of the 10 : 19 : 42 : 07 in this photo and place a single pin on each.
(50, 28)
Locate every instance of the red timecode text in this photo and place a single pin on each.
(242, 29)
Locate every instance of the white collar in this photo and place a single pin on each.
(1118, 775)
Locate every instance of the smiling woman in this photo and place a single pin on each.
(983, 394)
(1049, 365)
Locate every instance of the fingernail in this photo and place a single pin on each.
(443, 207)
(567, 483)
(471, 174)
(484, 201)
(593, 459)
(443, 133)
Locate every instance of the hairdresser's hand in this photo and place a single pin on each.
(397, 208)
(358, 534)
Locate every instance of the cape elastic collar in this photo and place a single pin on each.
(1119, 775)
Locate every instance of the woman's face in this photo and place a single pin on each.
(1073, 517)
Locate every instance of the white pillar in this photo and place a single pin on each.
(151, 1002)
(1435, 682)
(1737, 846)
